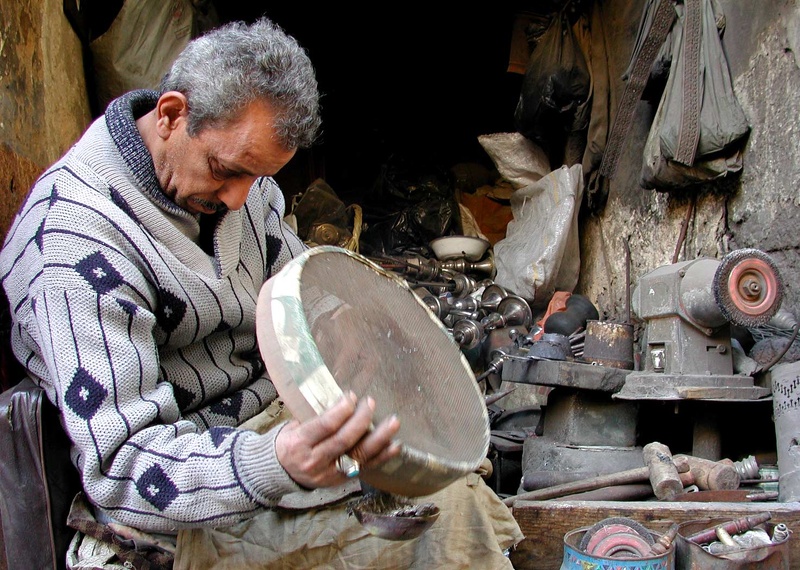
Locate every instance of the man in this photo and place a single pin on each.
(133, 270)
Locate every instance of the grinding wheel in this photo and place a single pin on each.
(332, 321)
(747, 287)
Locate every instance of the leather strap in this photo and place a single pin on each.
(637, 80)
(689, 131)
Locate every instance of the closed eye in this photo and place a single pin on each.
(220, 172)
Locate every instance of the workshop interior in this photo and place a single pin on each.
(557, 239)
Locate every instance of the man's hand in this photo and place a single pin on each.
(308, 451)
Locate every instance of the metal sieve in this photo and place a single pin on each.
(332, 321)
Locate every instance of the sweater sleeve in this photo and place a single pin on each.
(141, 462)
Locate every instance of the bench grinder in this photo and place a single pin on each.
(688, 309)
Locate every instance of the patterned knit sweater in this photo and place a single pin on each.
(144, 341)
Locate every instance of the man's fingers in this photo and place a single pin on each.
(331, 421)
(357, 427)
(393, 450)
(309, 451)
(373, 447)
(341, 427)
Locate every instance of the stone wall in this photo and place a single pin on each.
(44, 107)
(757, 209)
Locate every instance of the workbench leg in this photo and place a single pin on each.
(706, 441)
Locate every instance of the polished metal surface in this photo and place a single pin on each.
(332, 321)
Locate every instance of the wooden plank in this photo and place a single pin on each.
(545, 523)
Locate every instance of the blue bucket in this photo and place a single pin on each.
(575, 559)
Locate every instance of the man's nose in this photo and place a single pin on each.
(233, 193)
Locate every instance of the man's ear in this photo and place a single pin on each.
(172, 108)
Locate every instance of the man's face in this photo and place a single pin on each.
(214, 170)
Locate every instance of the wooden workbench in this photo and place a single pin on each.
(545, 523)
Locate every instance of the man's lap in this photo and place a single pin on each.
(474, 530)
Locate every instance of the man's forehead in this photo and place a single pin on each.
(248, 148)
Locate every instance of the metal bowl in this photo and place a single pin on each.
(455, 247)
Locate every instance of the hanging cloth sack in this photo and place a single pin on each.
(699, 127)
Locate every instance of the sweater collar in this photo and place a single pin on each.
(121, 115)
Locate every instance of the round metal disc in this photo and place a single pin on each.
(747, 287)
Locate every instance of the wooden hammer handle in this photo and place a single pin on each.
(636, 475)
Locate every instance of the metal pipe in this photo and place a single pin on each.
(735, 526)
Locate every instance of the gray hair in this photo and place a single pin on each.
(225, 69)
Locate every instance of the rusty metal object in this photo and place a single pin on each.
(664, 542)
(748, 287)
(609, 344)
(763, 496)
(565, 373)
(729, 496)
(732, 526)
(492, 398)
(587, 418)
(692, 556)
(629, 492)
(577, 341)
(551, 346)
(617, 537)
